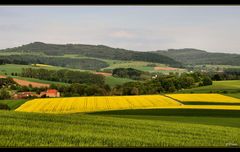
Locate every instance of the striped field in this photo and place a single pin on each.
(203, 98)
(91, 104)
(106, 103)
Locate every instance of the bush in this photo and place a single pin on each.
(207, 81)
(4, 106)
(4, 94)
(225, 91)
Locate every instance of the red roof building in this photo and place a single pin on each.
(23, 95)
(51, 93)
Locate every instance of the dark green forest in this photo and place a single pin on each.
(131, 73)
(67, 76)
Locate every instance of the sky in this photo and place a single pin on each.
(139, 28)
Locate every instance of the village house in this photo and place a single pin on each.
(50, 93)
(24, 95)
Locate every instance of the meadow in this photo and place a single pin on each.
(140, 65)
(39, 80)
(229, 86)
(113, 81)
(12, 68)
(13, 104)
(106, 130)
(235, 95)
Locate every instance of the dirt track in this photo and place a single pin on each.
(104, 73)
(27, 83)
(165, 68)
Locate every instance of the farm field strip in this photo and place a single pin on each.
(204, 98)
(106, 103)
(27, 83)
(230, 86)
(90, 104)
(41, 130)
(220, 107)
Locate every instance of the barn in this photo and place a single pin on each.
(50, 93)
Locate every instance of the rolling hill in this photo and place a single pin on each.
(93, 57)
(96, 51)
(190, 56)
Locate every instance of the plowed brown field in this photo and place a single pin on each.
(104, 73)
(164, 68)
(27, 83)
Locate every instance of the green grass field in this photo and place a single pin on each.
(10, 68)
(131, 64)
(140, 65)
(229, 86)
(197, 116)
(40, 81)
(118, 130)
(113, 81)
(235, 95)
(13, 104)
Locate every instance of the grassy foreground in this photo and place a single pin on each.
(235, 95)
(31, 129)
(13, 104)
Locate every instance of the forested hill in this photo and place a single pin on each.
(97, 51)
(194, 56)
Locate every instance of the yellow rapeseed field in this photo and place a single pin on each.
(97, 103)
(42, 65)
(203, 98)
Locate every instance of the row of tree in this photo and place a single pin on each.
(76, 89)
(131, 73)
(67, 76)
(163, 84)
(227, 74)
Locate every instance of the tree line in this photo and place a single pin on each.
(77, 63)
(227, 74)
(163, 84)
(64, 75)
(131, 73)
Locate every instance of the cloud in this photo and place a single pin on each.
(122, 34)
(130, 28)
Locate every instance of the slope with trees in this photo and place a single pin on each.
(97, 51)
(196, 57)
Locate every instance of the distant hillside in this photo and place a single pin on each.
(84, 63)
(194, 56)
(97, 51)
